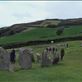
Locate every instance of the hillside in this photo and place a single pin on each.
(40, 34)
(17, 28)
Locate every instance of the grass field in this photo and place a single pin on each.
(41, 34)
(69, 70)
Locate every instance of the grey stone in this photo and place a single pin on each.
(25, 60)
(45, 61)
(32, 54)
(62, 53)
(4, 59)
(57, 57)
(38, 56)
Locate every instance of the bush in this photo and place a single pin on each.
(59, 31)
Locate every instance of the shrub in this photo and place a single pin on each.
(59, 31)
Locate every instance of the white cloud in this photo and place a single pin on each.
(64, 9)
(12, 12)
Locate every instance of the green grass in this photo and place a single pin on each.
(35, 34)
(41, 34)
(69, 70)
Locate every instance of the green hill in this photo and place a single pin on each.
(42, 34)
(18, 28)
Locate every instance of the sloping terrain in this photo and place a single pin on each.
(44, 30)
(17, 28)
(41, 34)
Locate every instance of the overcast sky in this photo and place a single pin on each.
(26, 11)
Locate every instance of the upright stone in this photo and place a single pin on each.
(32, 54)
(62, 53)
(45, 61)
(56, 57)
(38, 56)
(25, 60)
(4, 59)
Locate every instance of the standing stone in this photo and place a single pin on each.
(25, 60)
(32, 54)
(53, 50)
(45, 60)
(32, 57)
(54, 53)
(4, 59)
(62, 53)
(38, 58)
(67, 45)
(57, 57)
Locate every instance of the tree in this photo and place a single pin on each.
(59, 31)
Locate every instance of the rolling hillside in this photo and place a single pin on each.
(41, 34)
(43, 30)
(18, 28)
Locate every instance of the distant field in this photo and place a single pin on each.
(69, 70)
(41, 34)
